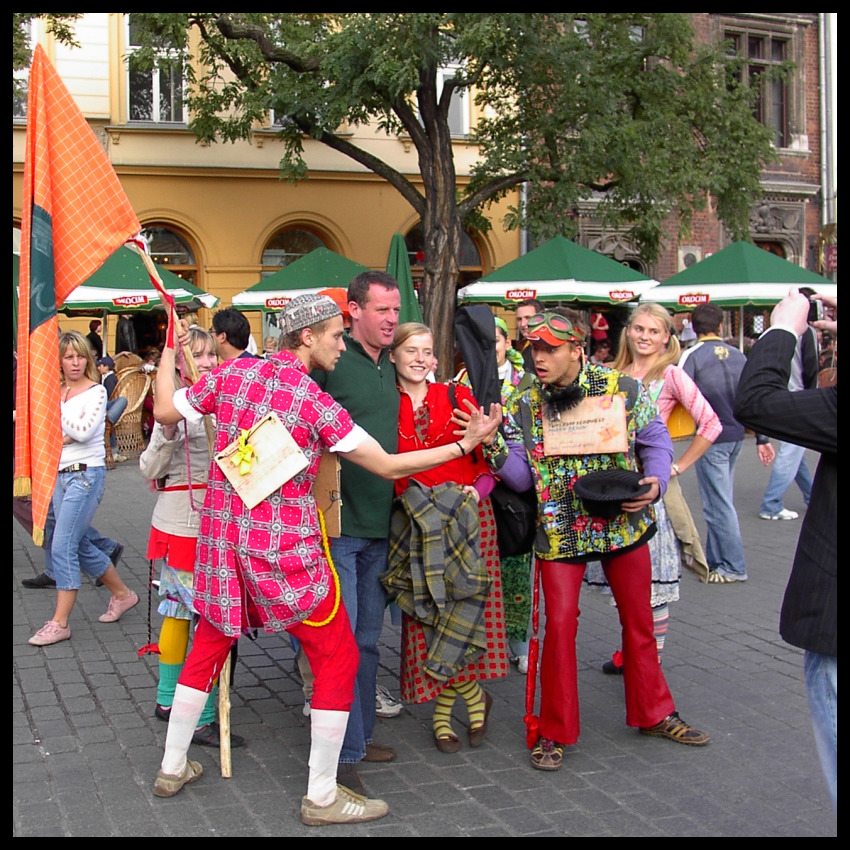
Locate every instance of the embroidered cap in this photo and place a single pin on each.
(553, 329)
(306, 310)
(603, 492)
(502, 325)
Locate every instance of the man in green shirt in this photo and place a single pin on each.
(364, 384)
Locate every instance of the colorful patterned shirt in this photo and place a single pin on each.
(569, 532)
(267, 559)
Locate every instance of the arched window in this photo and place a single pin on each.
(471, 267)
(168, 248)
(288, 245)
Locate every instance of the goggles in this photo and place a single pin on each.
(553, 329)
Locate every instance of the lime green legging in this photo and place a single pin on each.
(173, 644)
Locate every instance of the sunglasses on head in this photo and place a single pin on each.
(559, 326)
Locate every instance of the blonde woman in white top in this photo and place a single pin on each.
(80, 485)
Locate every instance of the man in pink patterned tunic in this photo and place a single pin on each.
(266, 566)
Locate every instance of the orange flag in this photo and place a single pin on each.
(74, 216)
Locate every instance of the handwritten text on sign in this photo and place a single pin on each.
(596, 426)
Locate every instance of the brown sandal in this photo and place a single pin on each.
(445, 739)
(447, 743)
(547, 754)
(674, 728)
(476, 735)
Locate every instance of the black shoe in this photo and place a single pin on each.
(162, 712)
(41, 580)
(208, 735)
(347, 775)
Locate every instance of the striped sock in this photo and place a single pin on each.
(660, 620)
(473, 696)
(442, 719)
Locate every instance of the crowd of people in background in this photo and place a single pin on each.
(419, 460)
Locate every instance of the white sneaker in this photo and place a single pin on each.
(347, 808)
(386, 705)
(119, 458)
(522, 663)
(783, 514)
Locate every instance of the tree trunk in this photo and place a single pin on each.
(441, 230)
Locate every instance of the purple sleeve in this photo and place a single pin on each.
(484, 484)
(516, 472)
(655, 451)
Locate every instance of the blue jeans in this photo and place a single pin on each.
(822, 687)
(114, 409)
(724, 549)
(360, 561)
(789, 465)
(106, 544)
(68, 546)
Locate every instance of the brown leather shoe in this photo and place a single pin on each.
(379, 753)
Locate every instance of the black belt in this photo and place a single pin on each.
(74, 467)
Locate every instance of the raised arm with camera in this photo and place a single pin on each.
(809, 616)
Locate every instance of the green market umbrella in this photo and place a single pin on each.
(398, 265)
(559, 270)
(320, 269)
(739, 275)
(122, 285)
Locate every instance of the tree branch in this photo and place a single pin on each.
(405, 188)
(274, 54)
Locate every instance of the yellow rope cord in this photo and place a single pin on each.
(327, 548)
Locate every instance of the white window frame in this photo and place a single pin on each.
(155, 89)
(458, 116)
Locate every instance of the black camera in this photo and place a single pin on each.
(815, 311)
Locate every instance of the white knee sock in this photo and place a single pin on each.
(327, 730)
(185, 711)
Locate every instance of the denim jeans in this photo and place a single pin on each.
(359, 562)
(822, 687)
(724, 549)
(106, 544)
(789, 465)
(69, 549)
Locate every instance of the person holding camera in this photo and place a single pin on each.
(790, 463)
(809, 418)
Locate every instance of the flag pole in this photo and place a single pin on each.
(192, 372)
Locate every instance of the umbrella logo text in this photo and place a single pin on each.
(621, 295)
(130, 300)
(278, 302)
(520, 294)
(692, 299)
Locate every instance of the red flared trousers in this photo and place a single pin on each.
(648, 699)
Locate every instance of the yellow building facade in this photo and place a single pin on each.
(227, 202)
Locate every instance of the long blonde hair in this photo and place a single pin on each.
(625, 357)
(75, 340)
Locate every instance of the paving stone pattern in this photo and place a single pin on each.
(86, 746)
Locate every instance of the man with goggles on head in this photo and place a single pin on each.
(577, 418)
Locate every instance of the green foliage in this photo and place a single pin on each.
(620, 110)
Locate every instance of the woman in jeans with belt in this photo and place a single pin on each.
(79, 488)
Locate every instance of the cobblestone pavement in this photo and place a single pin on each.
(86, 745)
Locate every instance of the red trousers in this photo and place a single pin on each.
(331, 651)
(648, 699)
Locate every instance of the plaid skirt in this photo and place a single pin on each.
(416, 685)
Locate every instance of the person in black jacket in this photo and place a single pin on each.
(809, 417)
